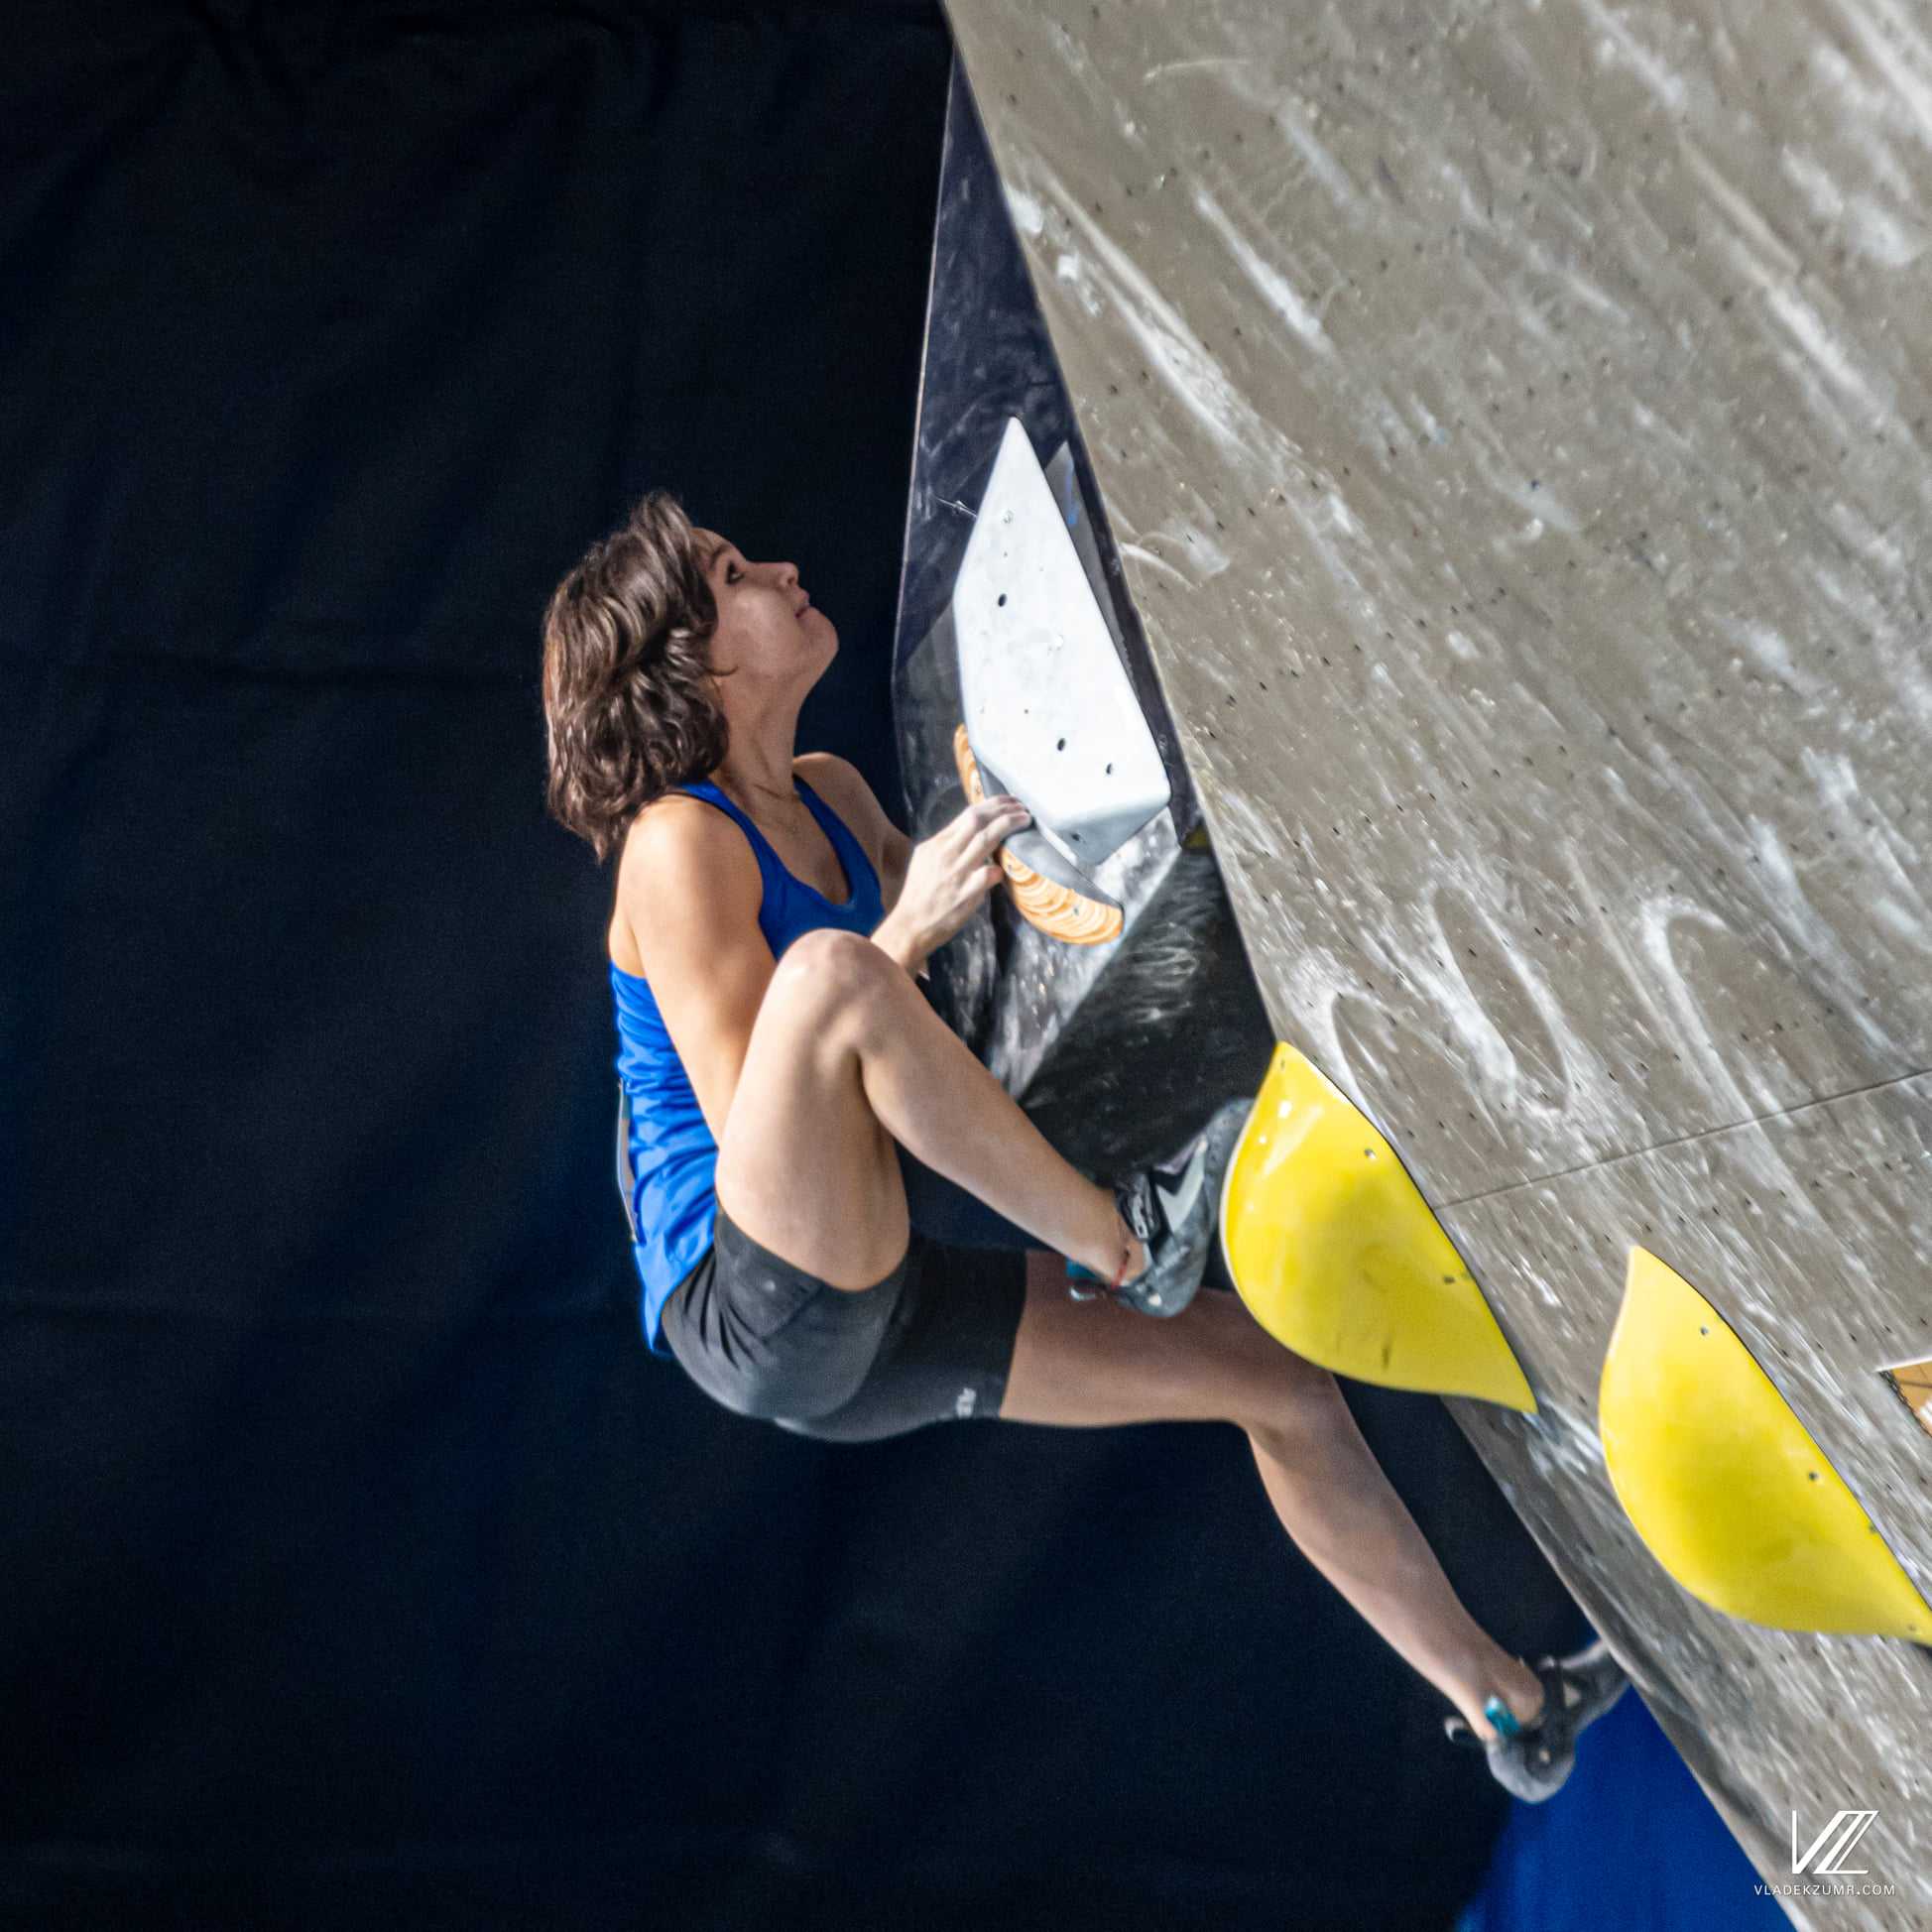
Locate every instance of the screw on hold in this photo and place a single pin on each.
(1002, 597)
(1061, 745)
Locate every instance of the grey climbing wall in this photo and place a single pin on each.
(1119, 1051)
(1513, 421)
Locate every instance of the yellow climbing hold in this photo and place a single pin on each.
(1725, 1483)
(1337, 1254)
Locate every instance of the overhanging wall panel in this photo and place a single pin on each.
(1807, 1231)
(1457, 391)
(1512, 423)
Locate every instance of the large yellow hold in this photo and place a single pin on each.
(1725, 1483)
(1337, 1254)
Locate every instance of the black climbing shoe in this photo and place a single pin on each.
(1174, 1209)
(1533, 1764)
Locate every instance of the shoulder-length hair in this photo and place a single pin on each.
(628, 690)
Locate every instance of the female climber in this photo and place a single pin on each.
(768, 925)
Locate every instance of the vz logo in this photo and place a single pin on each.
(1832, 1846)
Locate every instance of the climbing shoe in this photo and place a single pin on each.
(1173, 1210)
(1531, 1760)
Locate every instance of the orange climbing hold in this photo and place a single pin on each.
(1057, 910)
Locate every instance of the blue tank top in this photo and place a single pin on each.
(674, 1159)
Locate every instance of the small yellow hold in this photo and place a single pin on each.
(1337, 1254)
(1725, 1483)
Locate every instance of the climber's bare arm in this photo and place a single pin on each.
(688, 889)
(842, 787)
(929, 889)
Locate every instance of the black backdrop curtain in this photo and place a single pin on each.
(360, 1568)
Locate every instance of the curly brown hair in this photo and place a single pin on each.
(627, 674)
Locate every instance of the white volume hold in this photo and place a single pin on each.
(1048, 708)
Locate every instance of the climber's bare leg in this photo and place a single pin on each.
(845, 1058)
(1092, 1363)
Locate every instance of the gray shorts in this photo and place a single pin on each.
(930, 1343)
